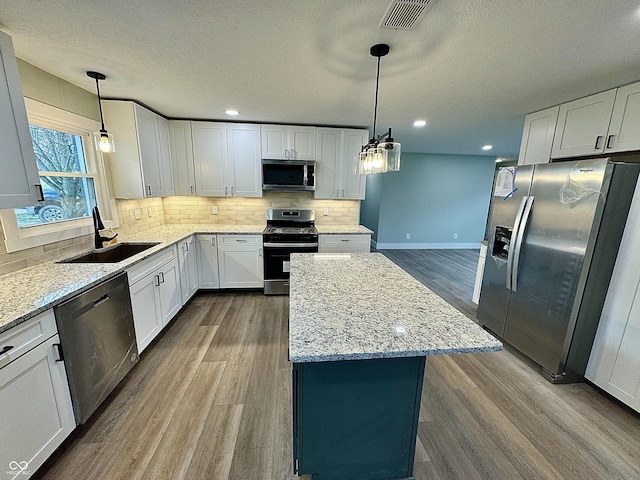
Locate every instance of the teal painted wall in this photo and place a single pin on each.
(431, 198)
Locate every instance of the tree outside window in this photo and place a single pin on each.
(68, 186)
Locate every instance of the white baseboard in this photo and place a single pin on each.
(425, 246)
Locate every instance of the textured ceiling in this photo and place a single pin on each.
(472, 69)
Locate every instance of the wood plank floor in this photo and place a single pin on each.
(211, 399)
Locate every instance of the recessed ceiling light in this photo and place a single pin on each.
(232, 112)
(419, 123)
(487, 147)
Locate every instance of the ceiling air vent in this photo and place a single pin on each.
(404, 14)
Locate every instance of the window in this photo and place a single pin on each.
(67, 185)
(73, 179)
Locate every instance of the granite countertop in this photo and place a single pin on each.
(28, 292)
(343, 230)
(363, 306)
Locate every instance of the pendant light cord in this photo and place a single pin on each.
(375, 108)
(99, 104)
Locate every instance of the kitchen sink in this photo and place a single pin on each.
(113, 254)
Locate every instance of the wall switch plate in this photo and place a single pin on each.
(455, 236)
(214, 209)
(136, 214)
(325, 211)
(408, 236)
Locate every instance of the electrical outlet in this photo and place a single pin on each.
(455, 236)
(214, 209)
(408, 236)
(325, 211)
(137, 214)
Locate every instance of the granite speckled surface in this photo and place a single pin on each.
(26, 293)
(363, 306)
(343, 230)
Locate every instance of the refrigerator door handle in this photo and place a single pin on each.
(514, 235)
(516, 256)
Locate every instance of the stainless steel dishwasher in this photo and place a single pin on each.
(98, 343)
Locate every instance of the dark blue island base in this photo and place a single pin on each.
(356, 419)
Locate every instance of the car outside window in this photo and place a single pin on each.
(68, 187)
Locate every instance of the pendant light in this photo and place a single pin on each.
(103, 139)
(382, 153)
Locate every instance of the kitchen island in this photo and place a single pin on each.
(360, 329)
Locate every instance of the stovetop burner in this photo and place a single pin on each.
(291, 230)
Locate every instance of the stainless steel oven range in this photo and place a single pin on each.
(288, 231)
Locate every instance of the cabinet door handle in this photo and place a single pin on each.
(5, 349)
(345, 239)
(242, 240)
(342, 193)
(337, 192)
(597, 145)
(610, 141)
(148, 190)
(39, 193)
(186, 246)
(260, 252)
(232, 191)
(60, 354)
(191, 188)
(226, 191)
(162, 275)
(294, 154)
(213, 241)
(286, 154)
(157, 277)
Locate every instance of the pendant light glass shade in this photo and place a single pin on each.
(378, 156)
(104, 140)
(392, 155)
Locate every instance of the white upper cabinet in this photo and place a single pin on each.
(335, 151)
(537, 137)
(243, 170)
(288, 142)
(141, 164)
(209, 156)
(624, 131)
(226, 159)
(583, 125)
(184, 180)
(19, 171)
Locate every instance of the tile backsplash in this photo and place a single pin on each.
(158, 211)
(252, 210)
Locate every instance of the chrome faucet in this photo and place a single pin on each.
(97, 226)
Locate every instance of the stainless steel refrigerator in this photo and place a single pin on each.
(553, 238)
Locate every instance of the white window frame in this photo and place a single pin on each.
(43, 115)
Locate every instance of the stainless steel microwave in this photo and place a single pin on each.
(289, 175)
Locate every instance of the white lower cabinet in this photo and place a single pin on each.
(614, 364)
(240, 261)
(328, 243)
(36, 414)
(188, 261)
(155, 294)
(208, 262)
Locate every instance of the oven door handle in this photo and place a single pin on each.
(290, 245)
